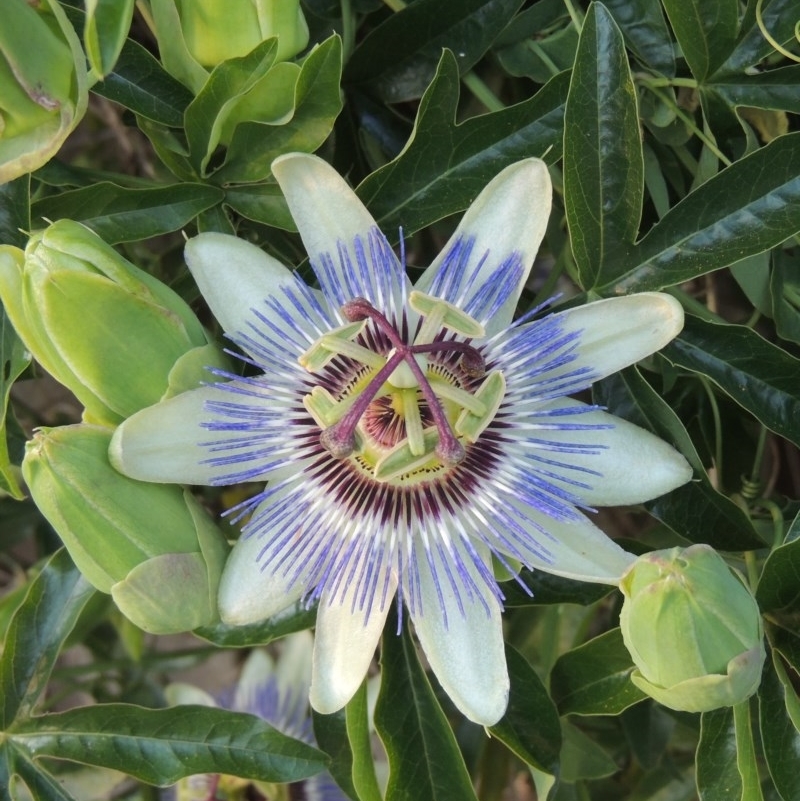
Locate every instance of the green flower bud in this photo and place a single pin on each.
(196, 35)
(693, 629)
(108, 331)
(151, 546)
(43, 75)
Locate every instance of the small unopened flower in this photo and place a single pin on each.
(276, 691)
(408, 434)
(693, 629)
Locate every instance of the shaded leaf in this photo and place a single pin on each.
(42, 785)
(747, 208)
(330, 732)
(14, 358)
(718, 777)
(262, 203)
(646, 32)
(139, 83)
(779, 586)
(411, 723)
(119, 214)
(603, 161)
(398, 59)
(779, 736)
(530, 726)
(36, 633)
(294, 618)
(444, 166)
(594, 678)
(546, 588)
(776, 89)
(758, 375)
(695, 511)
(160, 746)
(706, 31)
(15, 218)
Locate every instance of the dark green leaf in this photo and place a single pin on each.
(603, 162)
(42, 785)
(317, 103)
(141, 84)
(540, 57)
(779, 735)
(582, 757)
(530, 727)
(330, 732)
(779, 18)
(105, 30)
(545, 588)
(398, 59)
(645, 29)
(648, 729)
(706, 31)
(262, 203)
(15, 218)
(119, 214)
(594, 678)
(758, 375)
(778, 588)
(444, 166)
(784, 289)
(718, 777)
(36, 633)
(424, 761)
(776, 89)
(357, 718)
(695, 511)
(747, 208)
(296, 618)
(160, 746)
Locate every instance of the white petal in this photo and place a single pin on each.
(330, 217)
(234, 276)
(344, 646)
(161, 443)
(618, 332)
(633, 465)
(464, 648)
(575, 549)
(248, 591)
(510, 214)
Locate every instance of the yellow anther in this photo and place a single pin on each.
(400, 459)
(491, 393)
(440, 314)
(323, 350)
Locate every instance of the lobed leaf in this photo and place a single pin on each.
(444, 166)
(759, 376)
(398, 59)
(160, 746)
(119, 214)
(594, 678)
(747, 208)
(36, 633)
(411, 723)
(603, 161)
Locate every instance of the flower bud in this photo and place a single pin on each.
(151, 546)
(693, 629)
(196, 35)
(108, 331)
(43, 75)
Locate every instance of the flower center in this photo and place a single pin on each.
(403, 410)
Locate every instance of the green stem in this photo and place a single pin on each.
(755, 473)
(482, 92)
(348, 29)
(717, 429)
(679, 112)
(575, 15)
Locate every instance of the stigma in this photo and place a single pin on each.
(401, 410)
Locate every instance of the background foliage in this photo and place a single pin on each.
(672, 135)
